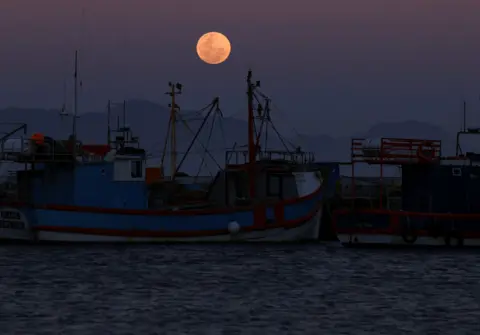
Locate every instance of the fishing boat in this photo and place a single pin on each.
(69, 192)
(440, 197)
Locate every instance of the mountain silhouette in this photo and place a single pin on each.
(149, 121)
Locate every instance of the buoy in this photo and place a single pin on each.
(233, 227)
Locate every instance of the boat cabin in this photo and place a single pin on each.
(450, 186)
(273, 181)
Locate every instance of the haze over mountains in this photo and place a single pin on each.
(149, 121)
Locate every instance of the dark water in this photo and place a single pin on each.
(237, 289)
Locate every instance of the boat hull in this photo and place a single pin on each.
(385, 240)
(15, 225)
(295, 219)
(308, 230)
(406, 229)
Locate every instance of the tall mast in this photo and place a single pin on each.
(75, 108)
(175, 88)
(251, 132)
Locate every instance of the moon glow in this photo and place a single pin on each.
(213, 48)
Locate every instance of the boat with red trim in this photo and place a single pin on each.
(440, 198)
(76, 193)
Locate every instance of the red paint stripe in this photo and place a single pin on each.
(191, 233)
(279, 212)
(260, 217)
(89, 209)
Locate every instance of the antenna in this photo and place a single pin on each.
(464, 115)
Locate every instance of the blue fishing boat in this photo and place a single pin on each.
(69, 192)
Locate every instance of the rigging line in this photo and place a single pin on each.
(259, 135)
(189, 129)
(295, 131)
(280, 137)
(218, 115)
(166, 141)
(203, 153)
(202, 159)
(164, 151)
(267, 115)
(201, 110)
(213, 104)
(299, 136)
(265, 96)
(197, 115)
(222, 130)
(208, 142)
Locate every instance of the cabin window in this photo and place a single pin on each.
(136, 169)
(240, 187)
(274, 186)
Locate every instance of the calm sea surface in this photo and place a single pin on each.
(237, 289)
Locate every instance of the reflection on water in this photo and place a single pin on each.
(237, 289)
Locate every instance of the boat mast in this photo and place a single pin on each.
(251, 132)
(175, 88)
(75, 108)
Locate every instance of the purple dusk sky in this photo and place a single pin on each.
(335, 66)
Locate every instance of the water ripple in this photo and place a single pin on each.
(237, 289)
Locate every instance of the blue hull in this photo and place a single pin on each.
(297, 219)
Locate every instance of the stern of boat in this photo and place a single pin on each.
(16, 224)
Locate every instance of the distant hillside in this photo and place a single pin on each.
(149, 121)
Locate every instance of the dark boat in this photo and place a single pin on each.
(440, 196)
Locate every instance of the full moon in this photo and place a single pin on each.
(213, 48)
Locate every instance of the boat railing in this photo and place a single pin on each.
(12, 129)
(238, 157)
(23, 150)
(395, 150)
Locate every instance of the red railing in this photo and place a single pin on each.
(395, 150)
(392, 151)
